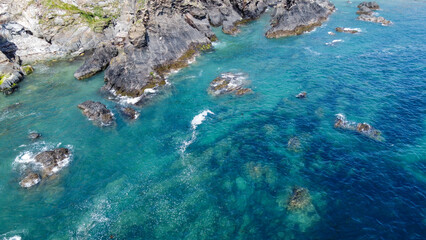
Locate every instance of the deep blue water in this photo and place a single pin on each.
(133, 181)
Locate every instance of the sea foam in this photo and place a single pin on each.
(196, 121)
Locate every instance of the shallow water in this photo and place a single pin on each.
(228, 173)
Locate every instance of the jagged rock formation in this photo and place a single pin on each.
(294, 17)
(139, 42)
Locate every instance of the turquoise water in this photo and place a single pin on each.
(133, 181)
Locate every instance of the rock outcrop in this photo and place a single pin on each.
(97, 112)
(362, 128)
(49, 163)
(229, 83)
(294, 17)
(98, 61)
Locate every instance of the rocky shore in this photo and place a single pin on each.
(137, 43)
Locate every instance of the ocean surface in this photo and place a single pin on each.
(194, 166)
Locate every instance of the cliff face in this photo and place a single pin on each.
(137, 41)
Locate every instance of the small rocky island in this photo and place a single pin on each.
(97, 112)
(229, 83)
(46, 164)
(362, 128)
(367, 14)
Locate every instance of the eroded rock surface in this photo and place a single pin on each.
(294, 17)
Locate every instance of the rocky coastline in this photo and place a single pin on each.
(137, 43)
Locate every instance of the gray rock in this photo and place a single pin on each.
(370, 5)
(364, 10)
(374, 19)
(52, 161)
(97, 112)
(98, 61)
(299, 16)
(172, 42)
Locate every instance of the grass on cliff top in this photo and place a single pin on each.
(95, 19)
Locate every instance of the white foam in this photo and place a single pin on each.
(126, 99)
(26, 159)
(149, 90)
(332, 43)
(198, 119)
(352, 29)
(16, 237)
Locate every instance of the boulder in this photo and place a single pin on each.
(52, 161)
(97, 112)
(30, 180)
(34, 136)
(298, 16)
(229, 83)
(370, 5)
(299, 199)
(98, 61)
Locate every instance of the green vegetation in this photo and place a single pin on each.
(27, 69)
(97, 19)
(3, 77)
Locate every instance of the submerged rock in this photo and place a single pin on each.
(299, 199)
(97, 112)
(347, 30)
(301, 95)
(30, 180)
(228, 83)
(294, 144)
(34, 136)
(375, 19)
(98, 61)
(369, 5)
(362, 128)
(294, 17)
